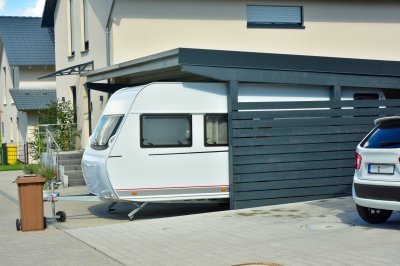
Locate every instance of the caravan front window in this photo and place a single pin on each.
(166, 130)
(105, 129)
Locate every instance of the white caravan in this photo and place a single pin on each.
(168, 141)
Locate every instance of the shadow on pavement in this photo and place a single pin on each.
(154, 210)
(345, 209)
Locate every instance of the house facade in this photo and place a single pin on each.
(27, 53)
(102, 33)
(104, 45)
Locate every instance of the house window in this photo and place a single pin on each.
(70, 23)
(85, 16)
(274, 16)
(165, 130)
(216, 130)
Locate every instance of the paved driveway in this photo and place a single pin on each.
(324, 232)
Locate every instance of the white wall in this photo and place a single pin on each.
(354, 29)
(16, 123)
(98, 14)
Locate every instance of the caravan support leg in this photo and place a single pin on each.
(110, 207)
(139, 207)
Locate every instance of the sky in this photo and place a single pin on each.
(30, 8)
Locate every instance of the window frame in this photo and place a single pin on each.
(85, 26)
(113, 132)
(276, 24)
(374, 131)
(205, 130)
(70, 28)
(186, 115)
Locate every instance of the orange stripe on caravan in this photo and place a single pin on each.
(158, 188)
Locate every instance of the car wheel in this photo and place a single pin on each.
(373, 216)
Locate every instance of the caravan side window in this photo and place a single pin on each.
(216, 130)
(165, 130)
(105, 129)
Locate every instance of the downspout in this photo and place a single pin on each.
(108, 32)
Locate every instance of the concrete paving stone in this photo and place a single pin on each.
(325, 232)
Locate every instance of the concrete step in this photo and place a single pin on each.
(70, 162)
(68, 155)
(72, 167)
(76, 182)
(75, 178)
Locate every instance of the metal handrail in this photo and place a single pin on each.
(52, 146)
(49, 150)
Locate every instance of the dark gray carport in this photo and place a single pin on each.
(274, 159)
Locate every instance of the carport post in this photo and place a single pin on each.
(336, 93)
(232, 107)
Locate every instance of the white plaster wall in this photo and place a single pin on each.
(98, 14)
(28, 76)
(353, 29)
(9, 112)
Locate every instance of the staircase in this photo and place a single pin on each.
(71, 161)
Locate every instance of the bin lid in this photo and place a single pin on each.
(30, 179)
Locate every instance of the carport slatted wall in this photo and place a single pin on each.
(295, 151)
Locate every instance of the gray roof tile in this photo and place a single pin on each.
(26, 43)
(27, 99)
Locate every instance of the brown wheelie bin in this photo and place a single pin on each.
(30, 194)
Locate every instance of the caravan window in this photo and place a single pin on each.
(172, 130)
(105, 129)
(216, 130)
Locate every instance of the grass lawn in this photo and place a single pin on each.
(11, 167)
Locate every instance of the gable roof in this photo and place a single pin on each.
(26, 43)
(33, 98)
(48, 13)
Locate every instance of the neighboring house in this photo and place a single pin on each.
(27, 53)
(103, 45)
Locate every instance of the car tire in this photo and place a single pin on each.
(373, 216)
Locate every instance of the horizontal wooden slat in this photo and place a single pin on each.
(293, 192)
(294, 183)
(295, 122)
(237, 142)
(316, 104)
(300, 131)
(282, 149)
(296, 157)
(239, 204)
(278, 167)
(272, 176)
(314, 113)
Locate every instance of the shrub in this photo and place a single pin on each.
(30, 169)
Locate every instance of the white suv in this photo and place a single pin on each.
(376, 185)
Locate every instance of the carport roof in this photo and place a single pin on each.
(186, 64)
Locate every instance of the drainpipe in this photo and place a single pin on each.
(108, 32)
